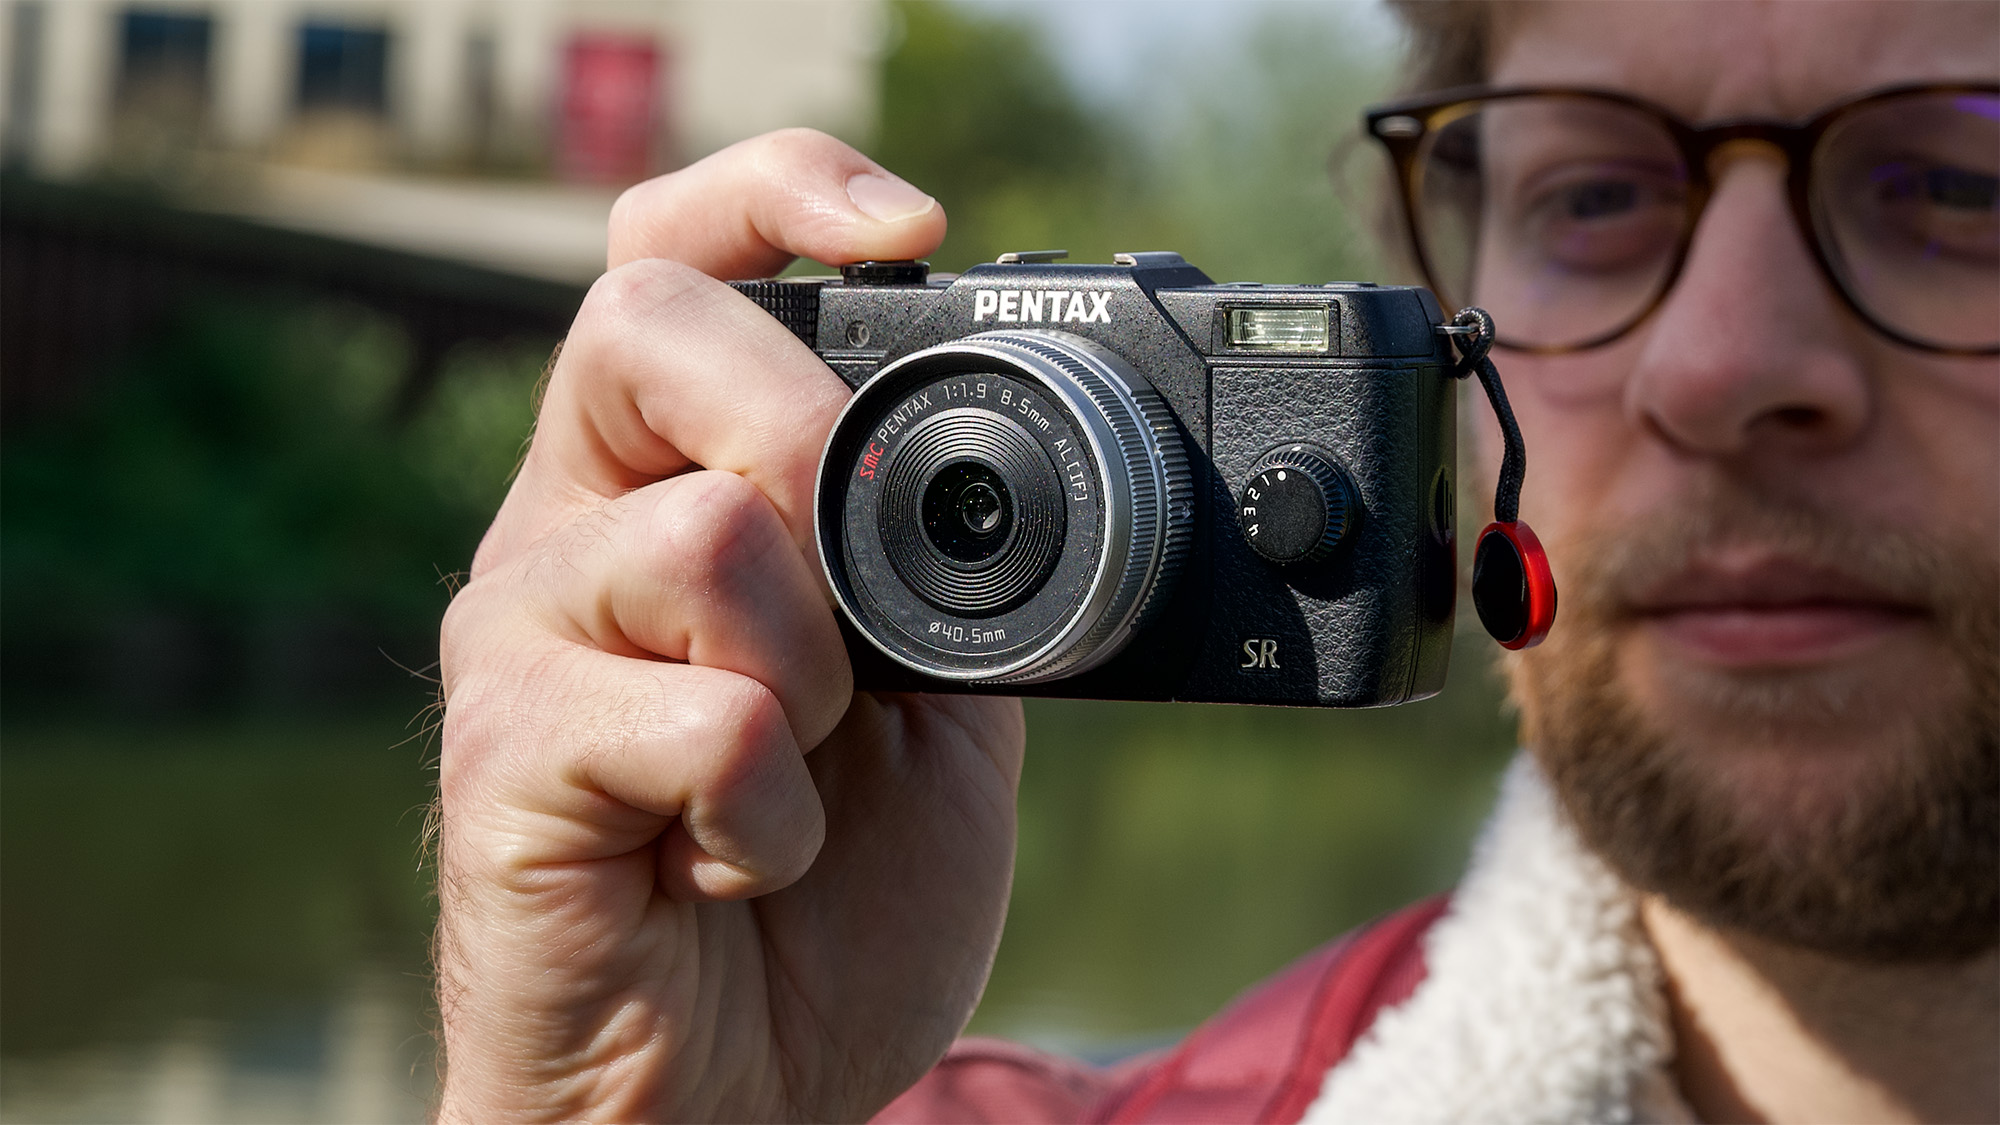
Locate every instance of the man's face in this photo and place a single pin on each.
(1771, 692)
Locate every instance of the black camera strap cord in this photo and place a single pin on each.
(1471, 331)
(1512, 585)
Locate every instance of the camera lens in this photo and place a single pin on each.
(982, 508)
(1004, 508)
(948, 521)
(967, 512)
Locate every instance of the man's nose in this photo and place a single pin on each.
(1750, 353)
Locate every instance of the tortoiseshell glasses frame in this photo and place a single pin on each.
(1409, 130)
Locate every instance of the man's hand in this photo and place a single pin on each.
(684, 871)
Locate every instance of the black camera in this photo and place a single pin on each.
(1128, 482)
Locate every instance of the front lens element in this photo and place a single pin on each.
(1562, 216)
(1906, 199)
(968, 512)
(948, 517)
(982, 509)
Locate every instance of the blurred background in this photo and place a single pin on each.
(276, 281)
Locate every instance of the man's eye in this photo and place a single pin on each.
(1599, 199)
(1962, 189)
(1601, 220)
(1924, 210)
(1956, 188)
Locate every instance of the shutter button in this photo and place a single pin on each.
(885, 273)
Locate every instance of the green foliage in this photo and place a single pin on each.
(249, 470)
(971, 102)
(975, 112)
(1241, 162)
(1222, 156)
(474, 429)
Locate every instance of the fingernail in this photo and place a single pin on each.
(887, 199)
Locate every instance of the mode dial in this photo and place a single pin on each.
(1297, 507)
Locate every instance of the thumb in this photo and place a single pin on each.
(748, 210)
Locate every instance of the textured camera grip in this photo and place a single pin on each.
(795, 304)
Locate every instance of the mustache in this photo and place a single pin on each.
(1614, 571)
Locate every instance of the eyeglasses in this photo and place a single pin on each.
(1568, 213)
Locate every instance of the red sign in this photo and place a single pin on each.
(609, 115)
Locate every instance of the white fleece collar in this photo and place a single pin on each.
(1543, 1000)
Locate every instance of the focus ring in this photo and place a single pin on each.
(1178, 503)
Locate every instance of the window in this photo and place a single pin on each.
(342, 67)
(163, 61)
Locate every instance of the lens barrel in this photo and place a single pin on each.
(1005, 508)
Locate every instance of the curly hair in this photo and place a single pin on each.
(1447, 41)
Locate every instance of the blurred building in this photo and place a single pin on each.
(586, 91)
(490, 132)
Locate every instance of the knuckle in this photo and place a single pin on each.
(503, 699)
(466, 648)
(493, 546)
(715, 529)
(798, 145)
(627, 210)
(745, 721)
(633, 295)
(461, 620)
(467, 731)
(474, 732)
(620, 327)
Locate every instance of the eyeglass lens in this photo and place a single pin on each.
(1906, 196)
(1564, 216)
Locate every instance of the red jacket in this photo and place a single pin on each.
(1262, 1059)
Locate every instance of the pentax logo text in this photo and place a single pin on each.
(1042, 306)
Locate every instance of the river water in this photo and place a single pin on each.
(227, 920)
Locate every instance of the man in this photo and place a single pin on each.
(1749, 870)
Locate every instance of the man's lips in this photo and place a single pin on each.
(1771, 612)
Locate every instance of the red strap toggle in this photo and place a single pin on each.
(1512, 586)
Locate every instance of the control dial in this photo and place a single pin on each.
(1297, 507)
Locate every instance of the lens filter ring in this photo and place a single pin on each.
(1005, 508)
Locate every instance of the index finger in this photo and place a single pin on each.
(665, 371)
(668, 370)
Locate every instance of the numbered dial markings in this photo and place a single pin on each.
(1297, 506)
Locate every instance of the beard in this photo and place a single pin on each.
(1822, 808)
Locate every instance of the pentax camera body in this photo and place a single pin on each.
(1128, 482)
